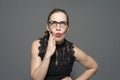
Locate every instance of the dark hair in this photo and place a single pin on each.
(55, 11)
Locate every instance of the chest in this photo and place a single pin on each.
(60, 64)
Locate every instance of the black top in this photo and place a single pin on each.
(61, 61)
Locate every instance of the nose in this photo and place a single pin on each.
(58, 27)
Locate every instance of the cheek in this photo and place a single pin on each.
(65, 30)
(52, 30)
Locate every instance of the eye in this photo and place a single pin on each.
(53, 23)
(63, 23)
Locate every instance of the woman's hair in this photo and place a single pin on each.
(55, 11)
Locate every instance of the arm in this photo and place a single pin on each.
(39, 68)
(88, 62)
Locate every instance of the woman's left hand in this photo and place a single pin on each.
(67, 78)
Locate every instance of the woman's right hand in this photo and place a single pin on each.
(51, 45)
(67, 78)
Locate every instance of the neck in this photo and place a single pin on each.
(60, 42)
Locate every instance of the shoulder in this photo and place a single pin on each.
(36, 43)
(79, 54)
(35, 46)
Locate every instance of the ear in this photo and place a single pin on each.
(68, 29)
(47, 27)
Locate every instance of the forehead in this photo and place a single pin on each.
(58, 16)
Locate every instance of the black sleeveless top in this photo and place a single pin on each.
(61, 61)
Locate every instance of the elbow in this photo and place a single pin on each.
(33, 76)
(96, 68)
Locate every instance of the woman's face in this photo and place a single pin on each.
(58, 25)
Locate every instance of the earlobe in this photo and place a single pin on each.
(68, 29)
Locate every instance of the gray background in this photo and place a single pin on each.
(95, 26)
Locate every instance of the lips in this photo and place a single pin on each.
(58, 34)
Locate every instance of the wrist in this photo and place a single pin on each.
(47, 56)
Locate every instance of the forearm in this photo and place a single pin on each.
(87, 74)
(41, 71)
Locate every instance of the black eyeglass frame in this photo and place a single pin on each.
(56, 23)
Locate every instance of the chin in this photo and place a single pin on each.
(58, 39)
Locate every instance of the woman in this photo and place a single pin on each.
(52, 56)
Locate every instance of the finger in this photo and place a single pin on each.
(54, 42)
(50, 35)
(53, 36)
(63, 79)
(50, 32)
(67, 78)
(52, 39)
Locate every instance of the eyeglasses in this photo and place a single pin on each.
(55, 23)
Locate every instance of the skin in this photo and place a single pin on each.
(39, 68)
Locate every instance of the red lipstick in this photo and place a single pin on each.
(58, 34)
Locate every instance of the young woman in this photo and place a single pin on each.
(52, 56)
